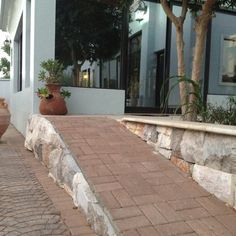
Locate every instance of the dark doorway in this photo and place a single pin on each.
(160, 75)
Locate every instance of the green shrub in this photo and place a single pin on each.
(211, 113)
(222, 114)
(52, 71)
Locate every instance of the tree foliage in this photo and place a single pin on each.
(87, 30)
(4, 62)
(196, 5)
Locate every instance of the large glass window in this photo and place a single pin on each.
(89, 42)
(222, 68)
(110, 73)
(147, 38)
(134, 70)
(228, 59)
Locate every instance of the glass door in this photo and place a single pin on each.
(160, 86)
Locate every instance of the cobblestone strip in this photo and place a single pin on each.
(25, 209)
(30, 202)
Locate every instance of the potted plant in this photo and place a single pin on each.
(52, 97)
(4, 116)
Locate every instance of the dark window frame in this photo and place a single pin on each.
(19, 51)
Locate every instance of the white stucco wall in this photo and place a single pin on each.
(38, 43)
(92, 101)
(5, 89)
(153, 29)
(218, 100)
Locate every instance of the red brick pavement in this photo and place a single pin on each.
(144, 193)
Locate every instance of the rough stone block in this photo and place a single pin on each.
(176, 138)
(150, 134)
(140, 130)
(192, 146)
(164, 141)
(218, 152)
(181, 164)
(164, 130)
(219, 183)
(82, 193)
(164, 152)
(48, 147)
(131, 126)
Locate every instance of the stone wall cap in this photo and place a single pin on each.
(189, 125)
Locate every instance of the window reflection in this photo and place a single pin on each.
(228, 74)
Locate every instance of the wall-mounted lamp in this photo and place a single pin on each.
(140, 11)
(8, 41)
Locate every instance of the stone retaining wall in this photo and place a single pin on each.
(209, 157)
(48, 146)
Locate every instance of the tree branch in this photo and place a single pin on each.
(184, 9)
(169, 12)
(207, 9)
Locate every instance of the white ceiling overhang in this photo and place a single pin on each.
(6, 8)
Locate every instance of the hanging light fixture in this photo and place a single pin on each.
(140, 11)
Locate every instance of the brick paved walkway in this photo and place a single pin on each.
(144, 193)
(30, 202)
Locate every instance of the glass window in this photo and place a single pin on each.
(134, 70)
(228, 59)
(222, 79)
(110, 73)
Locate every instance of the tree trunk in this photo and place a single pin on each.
(201, 30)
(179, 24)
(75, 65)
(201, 27)
(181, 66)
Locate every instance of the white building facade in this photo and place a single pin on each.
(31, 26)
(151, 60)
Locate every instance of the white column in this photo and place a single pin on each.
(42, 46)
(26, 45)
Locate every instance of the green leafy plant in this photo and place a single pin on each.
(4, 61)
(65, 93)
(222, 114)
(52, 71)
(67, 80)
(192, 88)
(209, 113)
(44, 93)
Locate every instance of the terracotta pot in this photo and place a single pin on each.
(4, 117)
(55, 105)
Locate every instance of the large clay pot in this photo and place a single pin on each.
(4, 116)
(54, 105)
